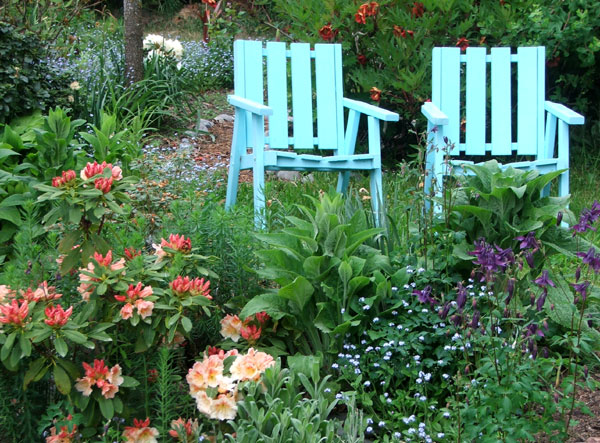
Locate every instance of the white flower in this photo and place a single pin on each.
(75, 86)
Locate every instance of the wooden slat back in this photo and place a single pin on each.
(248, 76)
(297, 63)
(446, 89)
(501, 102)
(328, 71)
(492, 93)
(302, 111)
(476, 101)
(277, 89)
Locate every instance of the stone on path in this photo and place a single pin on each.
(224, 118)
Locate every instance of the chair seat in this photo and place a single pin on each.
(276, 160)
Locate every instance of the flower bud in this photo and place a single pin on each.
(552, 307)
(576, 300)
(556, 397)
(545, 352)
(585, 371)
(474, 303)
(577, 274)
(506, 313)
(559, 218)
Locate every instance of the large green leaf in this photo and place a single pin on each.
(61, 379)
(272, 304)
(298, 292)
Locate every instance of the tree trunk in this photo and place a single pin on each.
(134, 51)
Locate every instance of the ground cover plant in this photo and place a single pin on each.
(134, 308)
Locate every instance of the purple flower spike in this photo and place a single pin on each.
(461, 298)
(475, 321)
(543, 280)
(581, 288)
(541, 300)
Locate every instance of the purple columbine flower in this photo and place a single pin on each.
(591, 259)
(581, 288)
(491, 258)
(543, 280)
(510, 289)
(424, 295)
(528, 242)
(533, 329)
(541, 300)
(443, 313)
(475, 321)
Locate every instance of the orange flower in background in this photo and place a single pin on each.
(14, 313)
(366, 10)
(360, 18)
(42, 293)
(418, 9)
(327, 33)
(212, 3)
(56, 316)
(362, 59)
(230, 327)
(176, 242)
(64, 436)
(131, 253)
(262, 317)
(462, 43)
(140, 432)
(375, 94)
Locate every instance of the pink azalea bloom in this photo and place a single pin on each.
(127, 311)
(14, 313)
(56, 316)
(140, 432)
(144, 307)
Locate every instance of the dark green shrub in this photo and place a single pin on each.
(27, 79)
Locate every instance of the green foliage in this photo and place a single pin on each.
(500, 205)
(279, 410)
(322, 265)
(27, 81)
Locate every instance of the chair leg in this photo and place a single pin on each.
(376, 195)
(258, 172)
(343, 179)
(237, 144)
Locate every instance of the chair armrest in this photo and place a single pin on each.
(567, 115)
(433, 114)
(373, 111)
(249, 105)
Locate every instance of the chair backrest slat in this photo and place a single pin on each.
(302, 96)
(277, 94)
(528, 117)
(476, 97)
(447, 76)
(501, 102)
(329, 99)
(248, 75)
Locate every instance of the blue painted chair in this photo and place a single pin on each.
(321, 128)
(482, 112)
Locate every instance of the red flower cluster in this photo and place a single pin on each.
(56, 316)
(418, 9)
(65, 178)
(462, 43)
(327, 33)
(375, 94)
(43, 292)
(197, 286)
(366, 10)
(362, 59)
(212, 3)
(131, 253)
(101, 183)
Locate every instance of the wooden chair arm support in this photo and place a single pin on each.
(565, 114)
(373, 111)
(249, 105)
(433, 114)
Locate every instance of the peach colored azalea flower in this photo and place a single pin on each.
(251, 365)
(197, 286)
(140, 432)
(230, 327)
(176, 242)
(375, 94)
(64, 436)
(224, 407)
(99, 375)
(85, 385)
(42, 292)
(127, 311)
(144, 308)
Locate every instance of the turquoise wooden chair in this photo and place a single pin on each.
(321, 128)
(488, 105)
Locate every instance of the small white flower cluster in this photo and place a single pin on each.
(157, 45)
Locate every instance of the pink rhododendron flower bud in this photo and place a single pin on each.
(14, 313)
(56, 316)
(131, 253)
(103, 184)
(230, 327)
(250, 333)
(92, 169)
(185, 428)
(262, 317)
